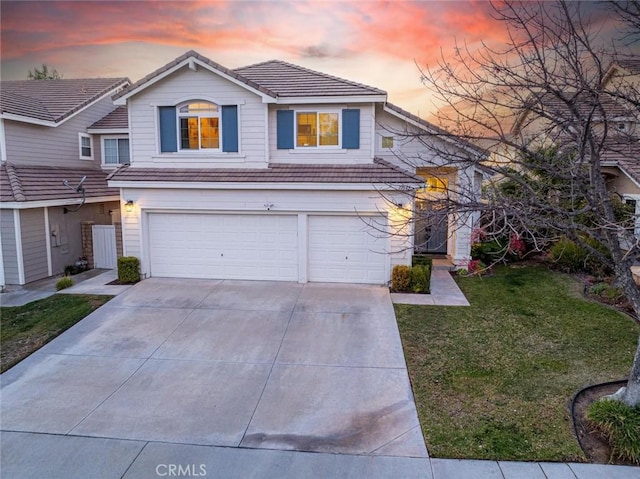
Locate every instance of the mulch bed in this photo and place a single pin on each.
(594, 445)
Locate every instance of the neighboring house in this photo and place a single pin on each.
(52, 131)
(615, 115)
(270, 171)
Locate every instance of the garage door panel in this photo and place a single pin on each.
(223, 246)
(346, 249)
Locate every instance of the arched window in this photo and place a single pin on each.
(199, 126)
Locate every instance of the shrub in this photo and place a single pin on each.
(421, 259)
(606, 291)
(128, 269)
(620, 424)
(420, 279)
(401, 279)
(488, 252)
(64, 283)
(573, 258)
(568, 255)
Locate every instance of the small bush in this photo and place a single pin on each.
(568, 255)
(64, 283)
(572, 258)
(401, 279)
(421, 259)
(620, 424)
(606, 291)
(488, 252)
(128, 269)
(420, 279)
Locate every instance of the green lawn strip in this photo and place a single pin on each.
(24, 329)
(494, 380)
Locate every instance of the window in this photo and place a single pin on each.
(84, 145)
(437, 184)
(387, 142)
(115, 151)
(317, 129)
(199, 126)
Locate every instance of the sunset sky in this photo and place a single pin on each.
(376, 43)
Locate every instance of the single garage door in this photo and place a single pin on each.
(224, 246)
(347, 249)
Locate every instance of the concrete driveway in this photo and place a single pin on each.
(266, 365)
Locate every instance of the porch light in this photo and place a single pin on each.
(128, 206)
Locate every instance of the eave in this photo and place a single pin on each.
(173, 185)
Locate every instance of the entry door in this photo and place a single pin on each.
(431, 229)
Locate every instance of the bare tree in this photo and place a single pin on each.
(545, 108)
(45, 73)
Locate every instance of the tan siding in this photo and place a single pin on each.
(9, 252)
(34, 248)
(202, 84)
(43, 145)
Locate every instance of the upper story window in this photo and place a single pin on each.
(199, 126)
(115, 151)
(328, 129)
(84, 146)
(317, 129)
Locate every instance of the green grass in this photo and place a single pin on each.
(621, 426)
(24, 329)
(494, 380)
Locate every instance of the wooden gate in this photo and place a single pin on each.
(104, 246)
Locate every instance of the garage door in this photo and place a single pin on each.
(224, 246)
(346, 249)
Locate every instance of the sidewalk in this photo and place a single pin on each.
(35, 455)
(31, 455)
(93, 281)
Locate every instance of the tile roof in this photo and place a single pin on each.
(379, 172)
(41, 183)
(274, 78)
(632, 65)
(53, 100)
(623, 152)
(117, 119)
(196, 55)
(574, 107)
(288, 80)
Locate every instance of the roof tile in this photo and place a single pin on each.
(39, 183)
(288, 80)
(117, 119)
(53, 100)
(379, 172)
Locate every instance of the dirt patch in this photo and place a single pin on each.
(594, 444)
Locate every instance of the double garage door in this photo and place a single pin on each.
(266, 247)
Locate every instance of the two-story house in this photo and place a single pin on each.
(54, 133)
(270, 171)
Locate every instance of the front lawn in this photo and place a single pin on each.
(495, 380)
(24, 329)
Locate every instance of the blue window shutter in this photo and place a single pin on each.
(285, 129)
(168, 130)
(229, 128)
(351, 129)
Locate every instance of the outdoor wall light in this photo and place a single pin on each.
(128, 206)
